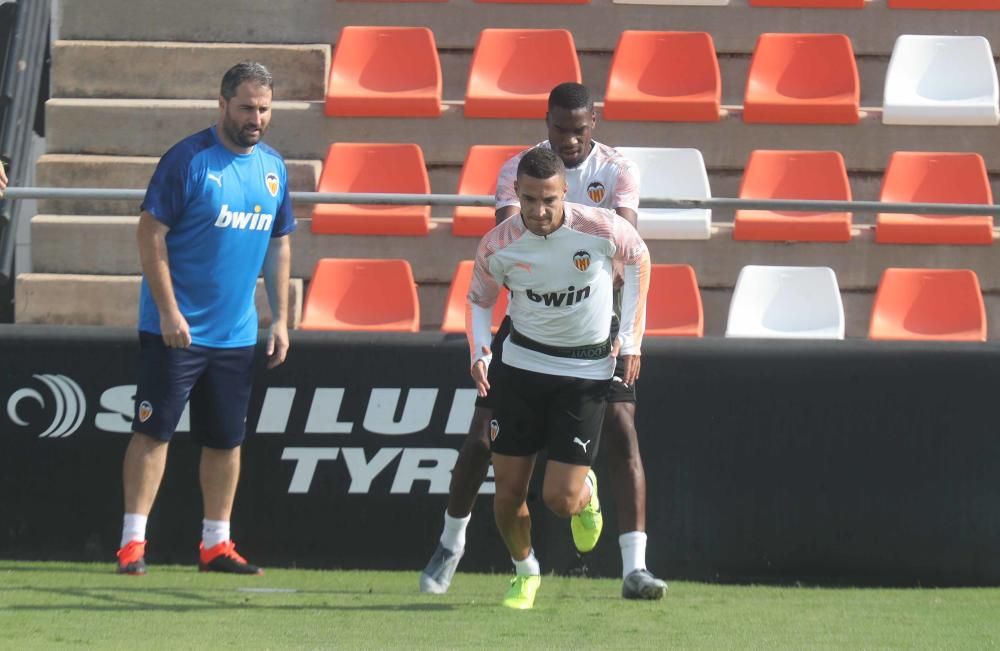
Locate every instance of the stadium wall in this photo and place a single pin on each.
(834, 462)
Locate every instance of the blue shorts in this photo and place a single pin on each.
(216, 380)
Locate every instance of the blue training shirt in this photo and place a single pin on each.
(222, 209)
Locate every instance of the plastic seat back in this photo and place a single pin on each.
(802, 79)
(819, 175)
(786, 303)
(355, 294)
(385, 71)
(373, 167)
(507, 78)
(479, 176)
(454, 309)
(671, 173)
(941, 80)
(927, 177)
(663, 76)
(928, 304)
(673, 306)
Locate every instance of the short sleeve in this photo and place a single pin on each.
(284, 221)
(166, 195)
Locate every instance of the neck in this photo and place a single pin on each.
(229, 144)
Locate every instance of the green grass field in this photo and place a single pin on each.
(51, 605)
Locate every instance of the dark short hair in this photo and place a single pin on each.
(570, 96)
(242, 72)
(541, 163)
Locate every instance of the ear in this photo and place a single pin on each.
(222, 103)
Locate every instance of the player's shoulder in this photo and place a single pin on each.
(501, 236)
(590, 220)
(186, 150)
(612, 157)
(268, 151)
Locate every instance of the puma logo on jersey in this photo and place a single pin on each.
(217, 179)
(557, 299)
(244, 221)
(583, 445)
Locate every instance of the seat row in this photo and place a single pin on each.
(943, 5)
(921, 177)
(667, 76)
(768, 302)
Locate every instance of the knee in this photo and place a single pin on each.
(508, 498)
(561, 503)
(619, 431)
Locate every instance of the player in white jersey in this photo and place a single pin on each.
(556, 259)
(596, 175)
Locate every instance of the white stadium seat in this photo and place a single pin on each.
(786, 303)
(941, 80)
(671, 173)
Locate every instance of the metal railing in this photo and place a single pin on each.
(368, 198)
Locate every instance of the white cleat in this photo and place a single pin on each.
(440, 570)
(640, 584)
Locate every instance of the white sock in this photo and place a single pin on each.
(590, 485)
(453, 535)
(133, 528)
(527, 567)
(633, 546)
(214, 532)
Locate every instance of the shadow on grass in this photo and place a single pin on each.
(129, 599)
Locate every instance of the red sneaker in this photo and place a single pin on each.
(223, 558)
(131, 558)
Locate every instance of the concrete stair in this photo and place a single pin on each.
(79, 299)
(300, 130)
(456, 24)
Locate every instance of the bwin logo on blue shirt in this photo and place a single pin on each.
(253, 221)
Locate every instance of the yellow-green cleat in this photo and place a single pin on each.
(521, 594)
(588, 523)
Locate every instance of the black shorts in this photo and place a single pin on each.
(496, 364)
(618, 391)
(559, 414)
(216, 380)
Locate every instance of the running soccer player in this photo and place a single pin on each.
(557, 260)
(217, 210)
(596, 175)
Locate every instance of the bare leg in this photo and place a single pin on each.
(142, 472)
(628, 479)
(564, 489)
(219, 473)
(472, 465)
(510, 505)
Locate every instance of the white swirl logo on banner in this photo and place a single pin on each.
(70, 405)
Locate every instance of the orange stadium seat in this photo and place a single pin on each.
(341, 290)
(947, 5)
(454, 309)
(537, 2)
(673, 307)
(811, 4)
(802, 79)
(664, 76)
(385, 71)
(373, 167)
(921, 304)
(935, 178)
(479, 176)
(506, 78)
(794, 175)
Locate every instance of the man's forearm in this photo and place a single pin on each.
(277, 271)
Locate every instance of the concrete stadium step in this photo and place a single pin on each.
(75, 299)
(93, 69)
(106, 245)
(456, 24)
(300, 130)
(180, 70)
(79, 171)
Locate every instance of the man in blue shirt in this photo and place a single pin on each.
(216, 212)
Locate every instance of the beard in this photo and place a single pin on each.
(244, 136)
